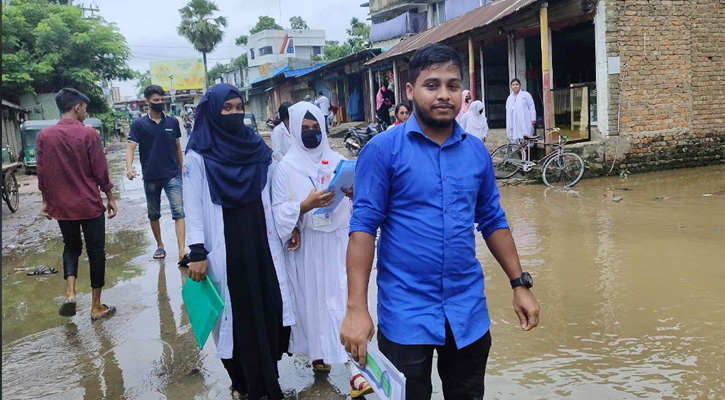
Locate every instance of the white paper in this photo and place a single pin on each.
(387, 382)
(343, 179)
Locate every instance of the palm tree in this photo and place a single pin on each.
(199, 27)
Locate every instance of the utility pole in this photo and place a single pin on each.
(92, 8)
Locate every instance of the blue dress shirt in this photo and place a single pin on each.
(426, 198)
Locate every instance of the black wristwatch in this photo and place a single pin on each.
(523, 280)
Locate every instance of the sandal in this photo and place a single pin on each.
(359, 386)
(110, 310)
(68, 308)
(319, 366)
(159, 254)
(43, 270)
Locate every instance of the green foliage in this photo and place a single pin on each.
(264, 23)
(199, 26)
(235, 64)
(241, 40)
(47, 46)
(359, 39)
(109, 118)
(298, 23)
(143, 80)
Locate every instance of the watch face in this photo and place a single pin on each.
(526, 277)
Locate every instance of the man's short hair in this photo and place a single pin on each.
(431, 54)
(153, 89)
(515, 80)
(68, 98)
(284, 110)
(320, 93)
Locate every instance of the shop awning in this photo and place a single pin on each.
(477, 18)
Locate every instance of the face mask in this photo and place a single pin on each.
(232, 122)
(312, 138)
(158, 107)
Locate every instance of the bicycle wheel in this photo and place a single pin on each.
(506, 160)
(11, 195)
(563, 171)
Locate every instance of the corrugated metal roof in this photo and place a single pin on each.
(14, 106)
(477, 18)
(297, 72)
(272, 74)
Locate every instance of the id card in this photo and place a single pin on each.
(319, 220)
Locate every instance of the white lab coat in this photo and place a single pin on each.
(205, 224)
(520, 111)
(324, 104)
(474, 121)
(317, 270)
(281, 141)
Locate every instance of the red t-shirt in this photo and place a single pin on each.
(71, 169)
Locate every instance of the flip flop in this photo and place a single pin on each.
(110, 310)
(184, 262)
(359, 387)
(159, 254)
(43, 270)
(68, 308)
(319, 366)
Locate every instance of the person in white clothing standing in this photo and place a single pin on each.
(317, 270)
(520, 112)
(281, 139)
(324, 104)
(474, 121)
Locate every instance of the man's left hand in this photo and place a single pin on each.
(526, 307)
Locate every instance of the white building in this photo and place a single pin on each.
(273, 46)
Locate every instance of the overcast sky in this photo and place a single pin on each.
(150, 26)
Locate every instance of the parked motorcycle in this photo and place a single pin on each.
(188, 125)
(357, 138)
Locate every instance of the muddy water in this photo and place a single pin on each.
(632, 292)
(631, 296)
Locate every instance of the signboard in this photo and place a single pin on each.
(185, 74)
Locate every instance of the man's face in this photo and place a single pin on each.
(81, 111)
(516, 87)
(155, 99)
(436, 94)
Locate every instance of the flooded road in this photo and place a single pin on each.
(631, 295)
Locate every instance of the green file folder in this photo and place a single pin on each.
(203, 305)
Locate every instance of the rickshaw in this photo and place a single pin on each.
(29, 132)
(97, 124)
(10, 183)
(251, 122)
(134, 115)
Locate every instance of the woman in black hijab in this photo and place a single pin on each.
(225, 173)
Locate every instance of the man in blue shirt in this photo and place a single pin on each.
(157, 137)
(425, 183)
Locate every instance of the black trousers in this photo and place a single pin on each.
(94, 231)
(461, 370)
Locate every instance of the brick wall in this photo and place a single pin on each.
(669, 100)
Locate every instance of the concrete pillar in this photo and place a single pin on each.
(520, 46)
(545, 72)
(600, 45)
(471, 68)
(371, 95)
(483, 76)
(512, 56)
(395, 83)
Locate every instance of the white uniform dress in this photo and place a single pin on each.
(520, 111)
(281, 141)
(474, 120)
(316, 271)
(205, 224)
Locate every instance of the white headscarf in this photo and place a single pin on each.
(307, 162)
(474, 121)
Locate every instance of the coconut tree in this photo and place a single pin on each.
(201, 28)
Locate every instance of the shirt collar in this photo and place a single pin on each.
(69, 121)
(163, 116)
(411, 126)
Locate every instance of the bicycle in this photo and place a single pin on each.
(561, 169)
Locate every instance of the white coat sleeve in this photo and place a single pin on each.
(531, 107)
(193, 181)
(509, 117)
(286, 213)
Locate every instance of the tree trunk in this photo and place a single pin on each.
(206, 73)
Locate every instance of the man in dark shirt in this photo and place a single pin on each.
(71, 168)
(157, 137)
(425, 183)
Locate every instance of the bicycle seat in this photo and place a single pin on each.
(527, 137)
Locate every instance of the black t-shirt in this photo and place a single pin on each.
(157, 146)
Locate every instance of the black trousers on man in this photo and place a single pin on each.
(94, 231)
(461, 370)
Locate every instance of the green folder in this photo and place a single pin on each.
(203, 305)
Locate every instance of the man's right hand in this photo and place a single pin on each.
(357, 328)
(197, 270)
(131, 173)
(44, 210)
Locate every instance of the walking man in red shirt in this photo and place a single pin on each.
(71, 169)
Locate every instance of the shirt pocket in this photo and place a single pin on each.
(464, 202)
